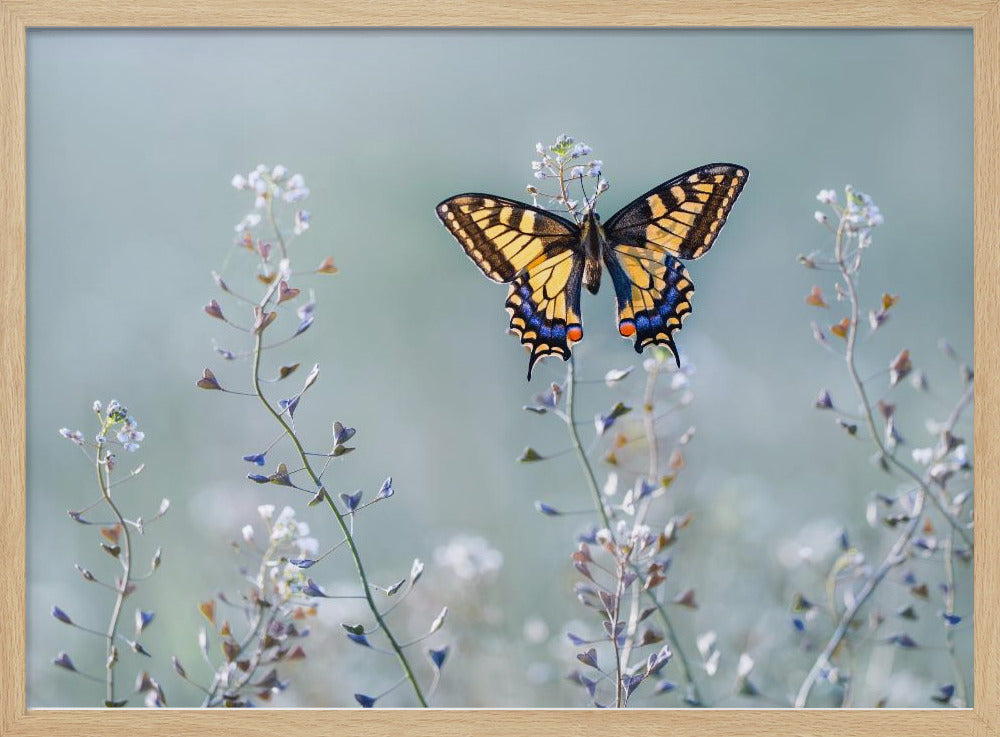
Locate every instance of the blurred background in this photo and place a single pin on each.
(133, 138)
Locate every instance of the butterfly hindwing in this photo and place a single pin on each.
(538, 253)
(683, 215)
(505, 237)
(544, 307)
(653, 295)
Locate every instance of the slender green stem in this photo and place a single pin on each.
(273, 222)
(588, 470)
(355, 554)
(614, 614)
(258, 351)
(649, 426)
(949, 599)
(125, 557)
(599, 504)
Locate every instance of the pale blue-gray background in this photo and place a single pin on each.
(132, 140)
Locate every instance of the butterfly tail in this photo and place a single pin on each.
(650, 315)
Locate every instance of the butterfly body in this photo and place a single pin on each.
(547, 258)
(592, 242)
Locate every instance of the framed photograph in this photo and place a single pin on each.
(703, 452)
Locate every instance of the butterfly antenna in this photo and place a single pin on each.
(586, 199)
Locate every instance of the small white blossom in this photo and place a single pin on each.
(75, 435)
(247, 533)
(469, 557)
(827, 196)
(285, 269)
(308, 547)
(296, 195)
(239, 181)
(301, 222)
(745, 665)
(278, 173)
(820, 217)
(129, 435)
(284, 528)
(266, 511)
(536, 631)
(251, 220)
(706, 643)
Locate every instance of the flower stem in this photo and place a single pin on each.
(125, 557)
(897, 553)
(588, 470)
(599, 504)
(859, 388)
(355, 554)
(896, 556)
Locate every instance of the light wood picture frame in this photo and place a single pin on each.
(17, 17)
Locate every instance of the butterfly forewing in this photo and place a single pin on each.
(538, 253)
(682, 216)
(504, 237)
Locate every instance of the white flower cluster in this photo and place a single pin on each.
(557, 162)
(469, 557)
(858, 216)
(272, 185)
(288, 538)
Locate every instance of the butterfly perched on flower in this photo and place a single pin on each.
(546, 258)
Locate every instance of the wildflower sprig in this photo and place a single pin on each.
(623, 561)
(562, 164)
(931, 475)
(274, 607)
(118, 431)
(272, 190)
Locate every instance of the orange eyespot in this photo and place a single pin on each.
(626, 328)
(574, 333)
